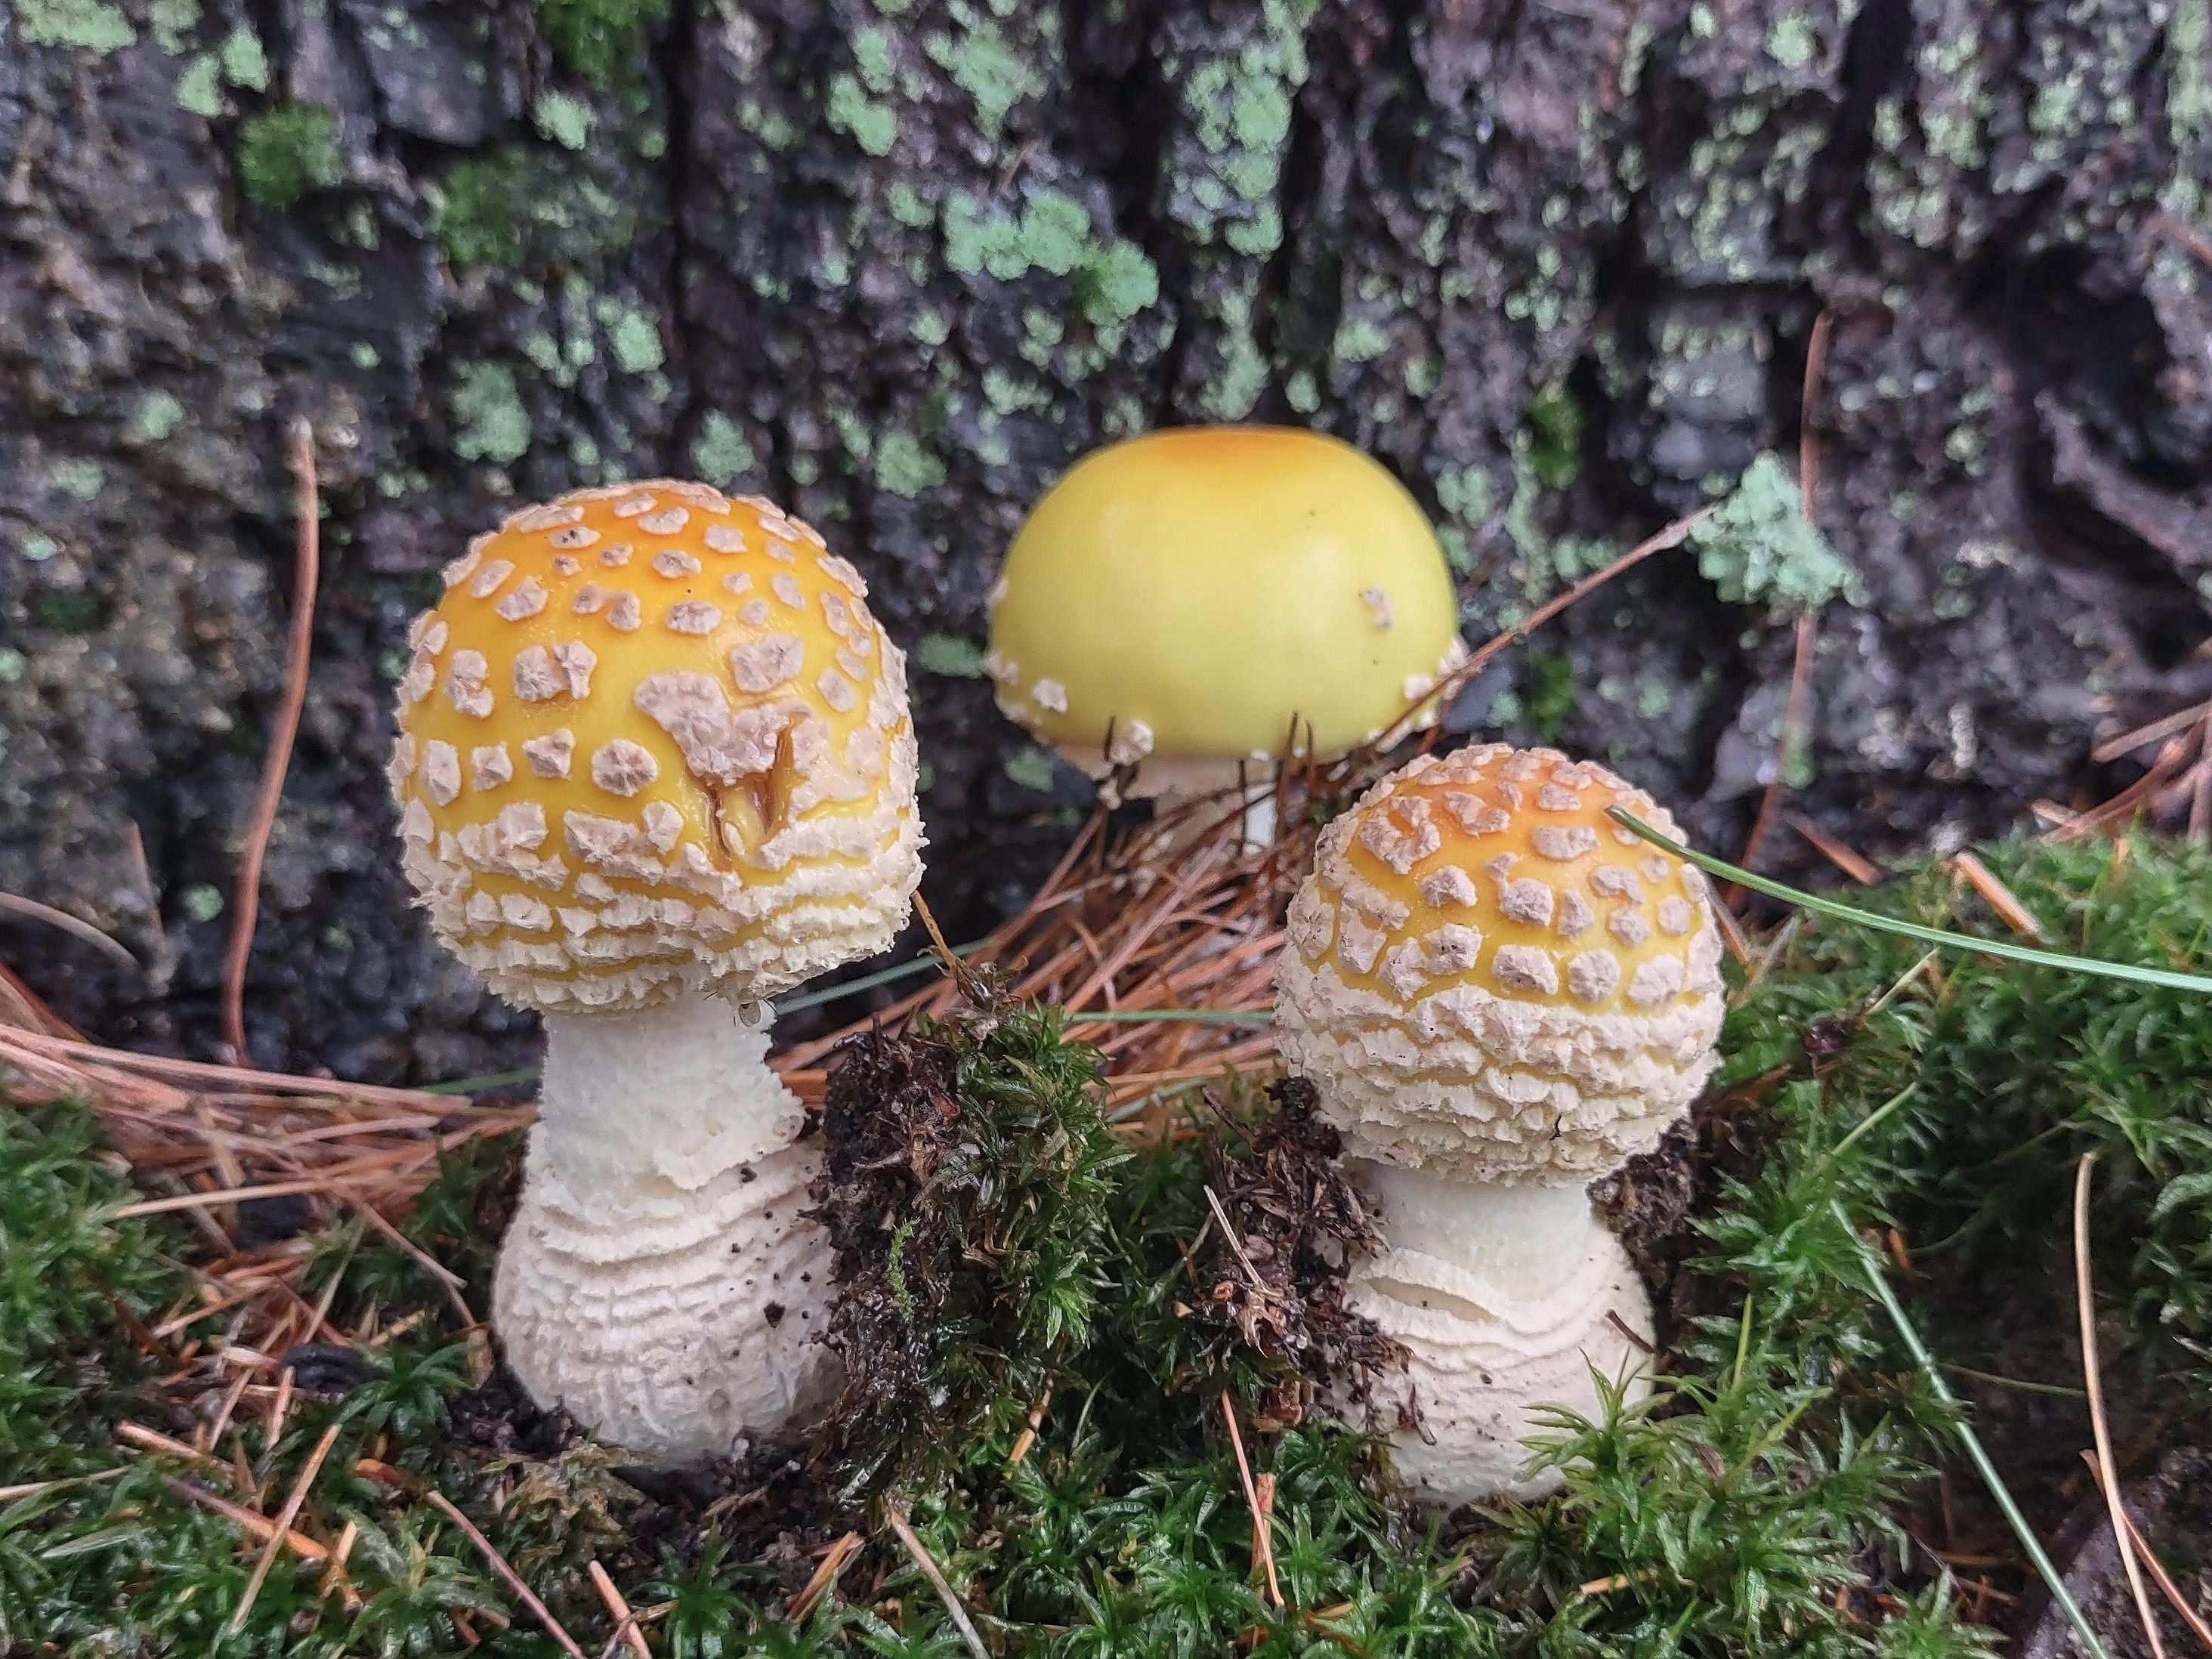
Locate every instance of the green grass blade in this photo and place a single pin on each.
(2003, 949)
(1878, 1281)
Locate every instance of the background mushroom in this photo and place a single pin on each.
(1500, 994)
(655, 766)
(1194, 604)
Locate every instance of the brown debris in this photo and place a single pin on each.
(1294, 1223)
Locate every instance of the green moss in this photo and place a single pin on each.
(719, 453)
(1547, 693)
(1555, 437)
(950, 655)
(244, 63)
(200, 901)
(159, 413)
(904, 467)
(68, 611)
(490, 424)
(287, 153)
(873, 125)
(565, 120)
(520, 202)
(601, 41)
(90, 24)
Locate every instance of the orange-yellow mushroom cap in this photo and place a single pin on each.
(652, 740)
(1488, 976)
(1210, 593)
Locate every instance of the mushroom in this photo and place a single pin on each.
(1189, 606)
(1500, 994)
(655, 766)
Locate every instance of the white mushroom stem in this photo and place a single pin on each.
(1204, 790)
(662, 1280)
(1509, 1299)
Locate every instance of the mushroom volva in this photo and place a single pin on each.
(1499, 993)
(1188, 606)
(655, 766)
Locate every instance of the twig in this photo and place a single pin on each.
(1028, 1434)
(894, 1513)
(2166, 726)
(825, 1575)
(76, 928)
(334, 1572)
(2190, 1616)
(2085, 1304)
(1851, 861)
(249, 1521)
(2185, 233)
(1263, 1530)
(283, 1524)
(618, 1610)
(1998, 896)
(246, 905)
(539, 1610)
(1236, 1243)
(33, 1488)
(1801, 662)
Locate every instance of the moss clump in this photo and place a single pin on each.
(286, 154)
(519, 205)
(601, 41)
(2015, 1073)
(967, 1202)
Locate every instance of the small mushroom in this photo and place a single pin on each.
(1500, 994)
(1184, 608)
(642, 795)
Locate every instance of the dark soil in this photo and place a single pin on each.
(1300, 1223)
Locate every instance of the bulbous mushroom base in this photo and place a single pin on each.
(1509, 1301)
(677, 1333)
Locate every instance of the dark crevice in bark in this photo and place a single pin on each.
(677, 50)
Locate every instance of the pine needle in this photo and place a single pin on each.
(1878, 1282)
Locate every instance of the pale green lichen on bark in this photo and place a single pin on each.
(490, 424)
(89, 25)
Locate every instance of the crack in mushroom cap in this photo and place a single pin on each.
(1227, 591)
(704, 795)
(1487, 975)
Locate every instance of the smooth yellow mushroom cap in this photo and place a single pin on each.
(1486, 974)
(1198, 593)
(650, 739)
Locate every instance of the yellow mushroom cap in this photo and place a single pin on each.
(1195, 593)
(650, 739)
(1486, 974)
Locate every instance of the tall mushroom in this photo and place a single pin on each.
(1500, 994)
(655, 766)
(1195, 602)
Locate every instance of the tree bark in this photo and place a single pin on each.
(897, 264)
